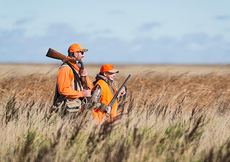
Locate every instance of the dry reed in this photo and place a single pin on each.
(166, 118)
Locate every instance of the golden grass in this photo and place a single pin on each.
(167, 117)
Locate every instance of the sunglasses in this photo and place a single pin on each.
(81, 52)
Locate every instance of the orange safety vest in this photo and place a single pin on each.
(106, 97)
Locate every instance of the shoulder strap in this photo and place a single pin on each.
(76, 77)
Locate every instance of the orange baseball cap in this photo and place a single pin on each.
(76, 47)
(108, 68)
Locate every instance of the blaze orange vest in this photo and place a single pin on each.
(106, 97)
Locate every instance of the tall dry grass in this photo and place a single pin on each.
(166, 118)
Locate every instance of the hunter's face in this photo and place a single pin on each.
(109, 75)
(79, 55)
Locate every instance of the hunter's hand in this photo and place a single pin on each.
(123, 92)
(86, 93)
(108, 110)
(84, 72)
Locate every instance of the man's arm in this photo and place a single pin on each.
(64, 78)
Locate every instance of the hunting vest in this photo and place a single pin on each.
(76, 84)
(106, 97)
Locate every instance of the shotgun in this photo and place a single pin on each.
(84, 80)
(115, 96)
(56, 55)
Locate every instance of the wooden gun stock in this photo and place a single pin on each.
(56, 55)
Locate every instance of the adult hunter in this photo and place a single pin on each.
(103, 92)
(71, 89)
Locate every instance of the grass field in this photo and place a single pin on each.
(172, 113)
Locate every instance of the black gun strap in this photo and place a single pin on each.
(76, 77)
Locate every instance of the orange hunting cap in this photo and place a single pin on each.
(108, 68)
(76, 47)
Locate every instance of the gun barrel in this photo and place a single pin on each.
(115, 96)
(85, 81)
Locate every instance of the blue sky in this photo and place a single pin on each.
(130, 31)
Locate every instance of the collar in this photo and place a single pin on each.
(99, 76)
(73, 65)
